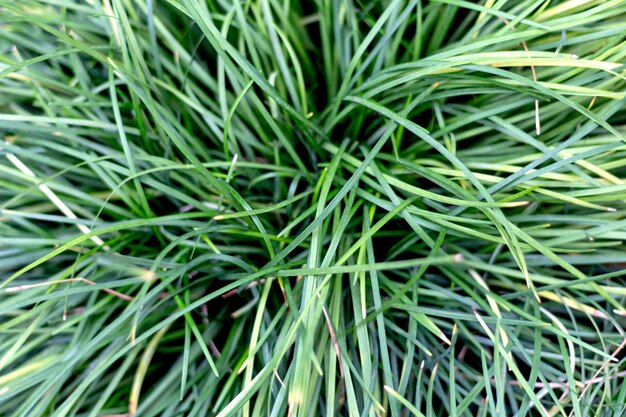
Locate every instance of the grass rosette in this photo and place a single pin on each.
(312, 209)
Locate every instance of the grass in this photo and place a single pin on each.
(330, 208)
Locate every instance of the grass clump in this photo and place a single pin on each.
(329, 208)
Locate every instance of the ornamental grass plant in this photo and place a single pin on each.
(214, 208)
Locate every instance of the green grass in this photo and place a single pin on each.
(320, 208)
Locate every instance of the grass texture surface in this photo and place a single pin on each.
(215, 208)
